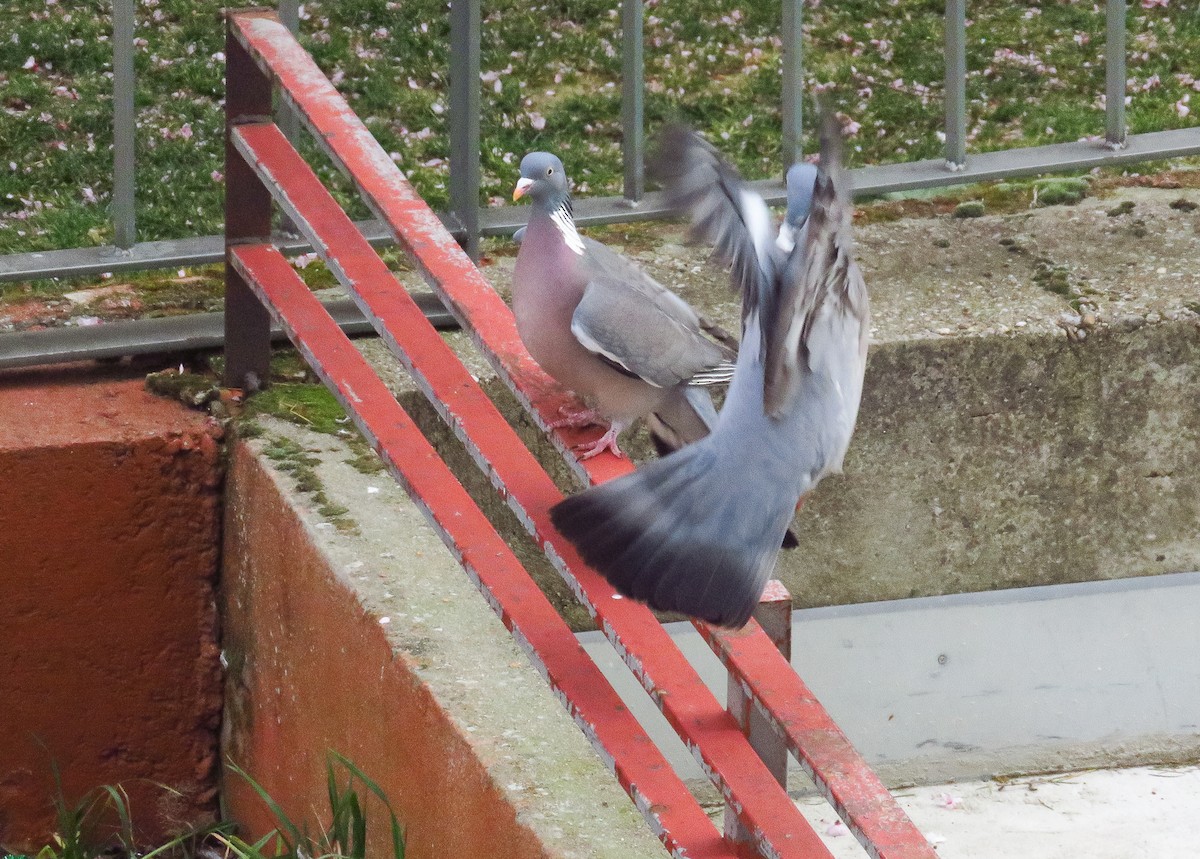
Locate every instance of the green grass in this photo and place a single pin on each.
(344, 837)
(101, 823)
(551, 81)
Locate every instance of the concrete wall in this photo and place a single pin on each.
(1000, 462)
(978, 463)
(109, 502)
(366, 637)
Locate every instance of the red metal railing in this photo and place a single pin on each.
(260, 52)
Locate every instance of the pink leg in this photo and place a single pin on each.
(608, 442)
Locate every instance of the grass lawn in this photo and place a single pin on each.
(551, 81)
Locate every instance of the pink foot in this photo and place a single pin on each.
(608, 442)
(575, 418)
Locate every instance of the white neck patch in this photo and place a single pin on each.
(566, 227)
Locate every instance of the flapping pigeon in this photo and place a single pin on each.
(698, 531)
(604, 328)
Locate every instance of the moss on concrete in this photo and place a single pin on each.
(192, 389)
(307, 405)
(1060, 191)
(969, 209)
(291, 458)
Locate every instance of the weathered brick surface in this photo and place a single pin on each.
(109, 550)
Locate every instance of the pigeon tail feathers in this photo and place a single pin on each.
(673, 536)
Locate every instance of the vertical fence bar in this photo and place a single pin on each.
(793, 82)
(633, 72)
(774, 615)
(124, 128)
(247, 218)
(956, 83)
(464, 120)
(285, 117)
(1114, 74)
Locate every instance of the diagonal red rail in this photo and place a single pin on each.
(523, 608)
(850, 785)
(686, 701)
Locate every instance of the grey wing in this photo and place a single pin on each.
(724, 212)
(823, 317)
(637, 324)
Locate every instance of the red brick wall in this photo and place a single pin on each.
(109, 549)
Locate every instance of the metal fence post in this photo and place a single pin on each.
(464, 120)
(956, 83)
(774, 615)
(124, 128)
(633, 80)
(285, 117)
(793, 82)
(1114, 74)
(247, 218)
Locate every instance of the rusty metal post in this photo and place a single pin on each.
(774, 615)
(247, 218)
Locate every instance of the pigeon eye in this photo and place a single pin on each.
(549, 171)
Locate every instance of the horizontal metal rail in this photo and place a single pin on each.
(591, 211)
(659, 666)
(521, 606)
(633, 204)
(145, 256)
(172, 335)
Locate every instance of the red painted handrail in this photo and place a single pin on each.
(684, 699)
(850, 785)
(522, 607)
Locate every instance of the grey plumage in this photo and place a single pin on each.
(698, 531)
(601, 326)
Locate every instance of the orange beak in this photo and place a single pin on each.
(522, 186)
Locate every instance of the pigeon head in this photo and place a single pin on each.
(543, 180)
(801, 180)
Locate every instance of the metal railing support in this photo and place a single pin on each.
(124, 128)
(633, 80)
(793, 82)
(774, 615)
(465, 179)
(247, 219)
(1114, 74)
(285, 116)
(956, 84)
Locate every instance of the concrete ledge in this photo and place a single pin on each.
(109, 503)
(375, 644)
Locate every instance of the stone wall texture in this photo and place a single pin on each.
(109, 550)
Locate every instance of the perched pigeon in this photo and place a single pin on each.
(604, 328)
(698, 531)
